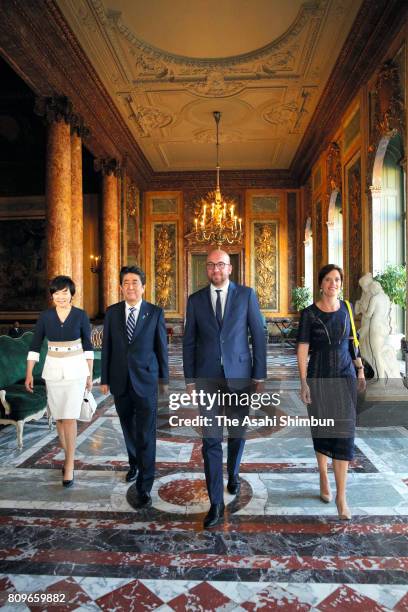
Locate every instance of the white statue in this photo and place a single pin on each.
(375, 308)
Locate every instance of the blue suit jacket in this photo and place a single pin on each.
(204, 344)
(144, 360)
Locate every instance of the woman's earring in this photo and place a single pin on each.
(320, 290)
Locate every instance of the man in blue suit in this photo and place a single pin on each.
(216, 355)
(134, 364)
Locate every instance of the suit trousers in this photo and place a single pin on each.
(213, 437)
(137, 417)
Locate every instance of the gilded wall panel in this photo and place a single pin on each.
(317, 241)
(355, 247)
(352, 130)
(164, 260)
(162, 239)
(265, 239)
(292, 255)
(133, 225)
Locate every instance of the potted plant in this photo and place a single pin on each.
(301, 297)
(394, 282)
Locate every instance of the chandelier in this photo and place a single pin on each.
(217, 222)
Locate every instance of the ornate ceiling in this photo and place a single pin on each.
(168, 65)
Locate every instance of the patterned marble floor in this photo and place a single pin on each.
(280, 548)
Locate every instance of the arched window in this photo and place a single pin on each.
(388, 208)
(392, 215)
(335, 229)
(308, 242)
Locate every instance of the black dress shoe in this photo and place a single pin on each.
(234, 485)
(132, 474)
(144, 500)
(215, 516)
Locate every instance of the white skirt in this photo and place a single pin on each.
(64, 397)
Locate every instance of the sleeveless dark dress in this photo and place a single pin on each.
(331, 377)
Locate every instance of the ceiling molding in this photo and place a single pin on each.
(37, 41)
(229, 179)
(112, 20)
(376, 25)
(268, 94)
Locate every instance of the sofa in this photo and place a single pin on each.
(17, 406)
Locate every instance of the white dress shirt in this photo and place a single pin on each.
(135, 312)
(223, 296)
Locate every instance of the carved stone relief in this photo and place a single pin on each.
(283, 60)
(290, 114)
(387, 111)
(146, 118)
(208, 137)
(215, 86)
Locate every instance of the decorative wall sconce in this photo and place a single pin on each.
(96, 263)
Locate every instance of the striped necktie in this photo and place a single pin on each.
(218, 308)
(131, 323)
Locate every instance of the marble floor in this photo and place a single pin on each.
(280, 547)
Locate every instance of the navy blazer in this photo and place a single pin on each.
(144, 360)
(204, 343)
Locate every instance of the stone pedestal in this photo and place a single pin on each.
(391, 390)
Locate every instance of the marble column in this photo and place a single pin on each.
(58, 186)
(77, 221)
(110, 231)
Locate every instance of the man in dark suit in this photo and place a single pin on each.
(15, 331)
(134, 364)
(216, 355)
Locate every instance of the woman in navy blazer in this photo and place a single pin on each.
(68, 364)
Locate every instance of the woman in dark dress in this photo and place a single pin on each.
(68, 365)
(328, 381)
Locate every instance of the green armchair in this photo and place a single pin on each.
(16, 405)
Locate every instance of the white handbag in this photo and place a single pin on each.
(88, 407)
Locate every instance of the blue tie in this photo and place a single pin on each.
(218, 309)
(131, 324)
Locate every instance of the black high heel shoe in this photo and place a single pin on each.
(67, 483)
